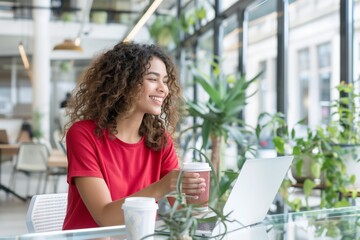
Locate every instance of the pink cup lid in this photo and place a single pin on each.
(196, 167)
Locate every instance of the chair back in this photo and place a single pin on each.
(58, 141)
(46, 212)
(32, 157)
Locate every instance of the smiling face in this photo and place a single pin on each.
(154, 88)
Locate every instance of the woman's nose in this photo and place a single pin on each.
(161, 86)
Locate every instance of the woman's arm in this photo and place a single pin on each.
(96, 196)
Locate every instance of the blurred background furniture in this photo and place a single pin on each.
(13, 127)
(46, 212)
(56, 166)
(31, 160)
(6, 151)
(59, 140)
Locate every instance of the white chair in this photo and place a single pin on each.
(31, 159)
(46, 212)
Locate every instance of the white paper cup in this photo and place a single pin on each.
(140, 216)
(203, 169)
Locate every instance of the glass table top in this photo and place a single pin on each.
(108, 233)
(338, 223)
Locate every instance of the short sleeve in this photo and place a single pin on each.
(81, 152)
(169, 158)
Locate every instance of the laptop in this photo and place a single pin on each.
(252, 194)
(3, 137)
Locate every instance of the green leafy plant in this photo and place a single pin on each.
(190, 21)
(319, 157)
(36, 118)
(326, 166)
(344, 127)
(67, 16)
(219, 115)
(181, 221)
(166, 30)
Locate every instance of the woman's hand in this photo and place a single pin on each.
(192, 183)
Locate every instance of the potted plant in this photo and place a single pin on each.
(344, 129)
(219, 114)
(218, 120)
(165, 29)
(319, 160)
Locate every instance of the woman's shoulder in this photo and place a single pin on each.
(168, 135)
(169, 138)
(83, 125)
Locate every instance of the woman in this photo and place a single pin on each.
(119, 138)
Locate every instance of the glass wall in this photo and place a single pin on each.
(196, 13)
(261, 56)
(304, 75)
(228, 3)
(231, 45)
(313, 59)
(357, 41)
(313, 56)
(324, 77)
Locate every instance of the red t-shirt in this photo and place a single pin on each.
(126, 168)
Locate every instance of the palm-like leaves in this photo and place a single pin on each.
(227, 98)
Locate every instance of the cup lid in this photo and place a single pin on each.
(196, 166)
(140, 202)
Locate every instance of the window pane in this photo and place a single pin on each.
(261, 55)
(324, 55)
(196, 14)
(231, 45)
(313, 59)
(325, 97)
(304, 62)
(228, 3)
(357, 41)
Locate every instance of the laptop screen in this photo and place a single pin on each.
(251, 196)
(254, 191)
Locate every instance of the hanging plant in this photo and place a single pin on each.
(165, 31)
(66, 65)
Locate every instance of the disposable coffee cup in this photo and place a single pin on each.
(140, 216)
(203, 168)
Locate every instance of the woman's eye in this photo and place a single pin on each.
(152, 79)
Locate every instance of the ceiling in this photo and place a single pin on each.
(68, 19)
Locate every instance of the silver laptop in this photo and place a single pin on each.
(253, 193)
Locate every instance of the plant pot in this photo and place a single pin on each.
(184, 238)
(306, 172)
(351, 155)
(99, 17)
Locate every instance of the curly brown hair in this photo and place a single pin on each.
(112, 83)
